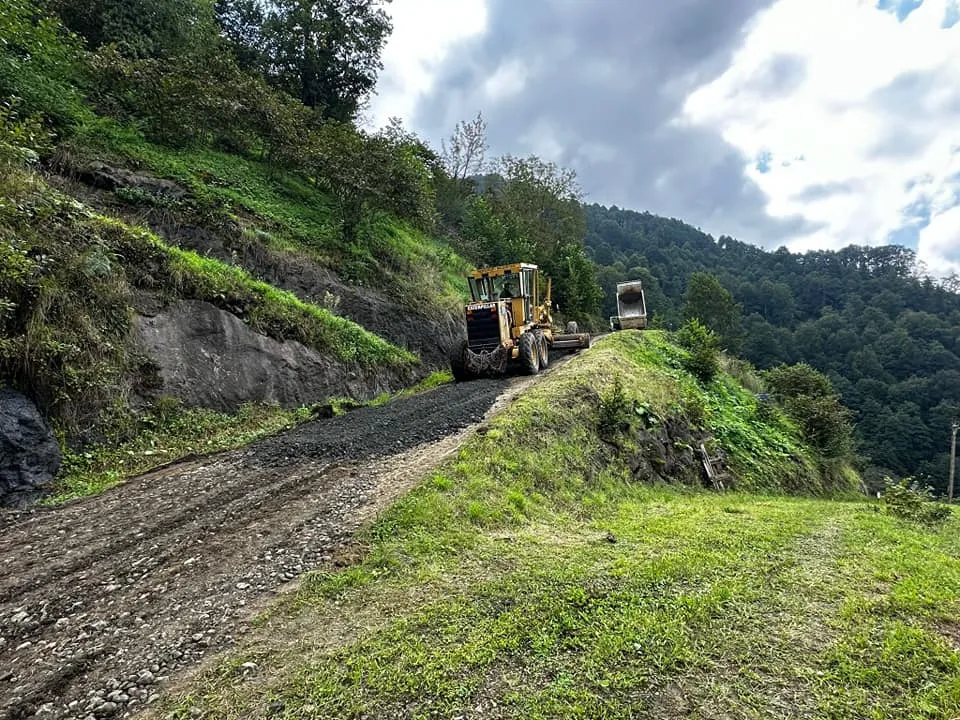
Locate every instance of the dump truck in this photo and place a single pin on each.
(631, 307)
(509, 324)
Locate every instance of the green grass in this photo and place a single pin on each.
(166, 437)
(897, 652)
(705, 606)
(297, 216)
(532, 577)
(433, 380)
(287, 212)
(265, 308)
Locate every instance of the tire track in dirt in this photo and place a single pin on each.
(103, 599)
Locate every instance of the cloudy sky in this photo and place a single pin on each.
(806, 123)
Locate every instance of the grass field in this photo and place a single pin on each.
(704, 607)
(533, 577)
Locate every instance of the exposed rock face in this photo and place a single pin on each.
(29, 453)
(430, 332)
(666, 453)
(105, 177)
(209, 358)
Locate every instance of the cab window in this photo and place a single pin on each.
(479, 289)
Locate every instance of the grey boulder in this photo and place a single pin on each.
(29, 453)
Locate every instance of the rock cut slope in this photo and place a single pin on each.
(104, 320)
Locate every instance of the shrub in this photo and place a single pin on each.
(201, 98)
(703, 345)
(363, 172)
(810, 400)
(38, 61)
(908, 500)
(615, 409)
(744, 373)
(22, 139)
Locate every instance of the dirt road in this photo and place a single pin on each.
(103, 599)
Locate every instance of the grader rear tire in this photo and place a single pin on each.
(529, 353)
(458, 364)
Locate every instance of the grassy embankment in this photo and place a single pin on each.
(68, 274)
(67, 339)
(533, 577)
(284, 212)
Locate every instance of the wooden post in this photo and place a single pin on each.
(953, 460)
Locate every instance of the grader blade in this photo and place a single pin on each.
(571, 341)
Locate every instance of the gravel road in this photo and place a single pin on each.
(104, 599)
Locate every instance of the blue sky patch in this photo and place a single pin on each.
(908, 236)
(916, 216)
(918, 213)
(764, 161)
(951, 15)
(901, 8)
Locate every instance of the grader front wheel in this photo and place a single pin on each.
(544, 351)
(529, 353)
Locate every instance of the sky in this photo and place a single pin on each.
(805, 123)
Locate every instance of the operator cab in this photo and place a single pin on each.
(516, 284)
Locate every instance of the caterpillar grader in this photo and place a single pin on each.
(509, 324)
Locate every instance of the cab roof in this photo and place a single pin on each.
(498, 270)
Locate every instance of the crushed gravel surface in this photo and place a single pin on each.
(104, 599)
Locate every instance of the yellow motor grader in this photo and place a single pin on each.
(509, 323)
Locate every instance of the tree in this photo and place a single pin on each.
(241, 24)
(713, 305)
(540, 204)
(139, 28)
(703, 346)
(809, 398)
(383, 171)
(461, 158)
(326, 52)
(464, 153)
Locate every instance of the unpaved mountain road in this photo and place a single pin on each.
(101, 600)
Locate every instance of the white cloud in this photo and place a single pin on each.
(508, 80)
(424, 33)
(825, 128)
(545, 140)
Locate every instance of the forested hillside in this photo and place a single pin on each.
(884, 331)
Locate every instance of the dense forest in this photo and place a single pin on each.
(883, 331)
